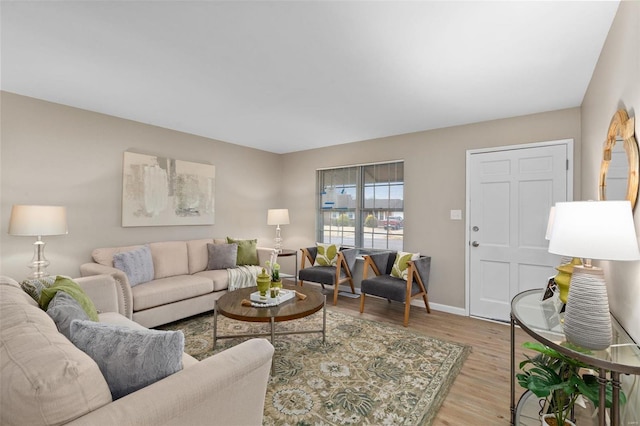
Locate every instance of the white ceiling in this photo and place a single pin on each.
(289, 76)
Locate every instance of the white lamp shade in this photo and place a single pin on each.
(38, 220)
(278, 217)
(594, 230)
(552, 213)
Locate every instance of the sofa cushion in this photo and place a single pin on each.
(168, 290)
(219, 277)
(170, 258)
(247, 251)
(46, 380)
(34, 286)
(129, 359)
(63, 309)
(137, 264)
(222, 256)
(198, 256)
(72, 289)
(104, 256)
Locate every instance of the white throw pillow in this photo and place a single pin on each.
(327, 255)
(400, 267)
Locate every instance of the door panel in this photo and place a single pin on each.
(511, 192)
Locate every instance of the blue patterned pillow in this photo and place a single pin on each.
(34, 286)
(137, 264)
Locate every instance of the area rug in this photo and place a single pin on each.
(367, 373)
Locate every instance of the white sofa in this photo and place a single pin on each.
(181, 287)
(46, 380)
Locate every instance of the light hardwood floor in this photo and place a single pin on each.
(480, 394)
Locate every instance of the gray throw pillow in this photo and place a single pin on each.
(222, 256)
(63, 309)
(137, 264)
(129, 359)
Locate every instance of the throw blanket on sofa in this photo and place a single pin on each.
(243, 276)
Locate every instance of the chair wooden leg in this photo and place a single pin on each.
(361, 302)
(426, 302)
(301, 281)
(407, 306)
(336, 288)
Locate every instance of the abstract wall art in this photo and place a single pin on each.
(160, 191)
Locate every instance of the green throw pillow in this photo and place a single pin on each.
(247, 251)
(400, 267)
(70, 287)
(327, 255)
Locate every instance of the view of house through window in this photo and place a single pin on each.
(362, 206)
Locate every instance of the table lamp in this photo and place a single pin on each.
(38, 221)
(592, 230)
(278, 217)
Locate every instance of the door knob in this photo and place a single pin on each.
(475, 244)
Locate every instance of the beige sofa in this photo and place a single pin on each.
(46, 380)
(181, 287)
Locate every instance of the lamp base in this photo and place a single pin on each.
(563, 279)
(38, 263)
(587, 321)
(278, 240)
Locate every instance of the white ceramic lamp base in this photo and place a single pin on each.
(587, 321)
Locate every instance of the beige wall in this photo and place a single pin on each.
(615, 84)
(434, 184)
(53, 154)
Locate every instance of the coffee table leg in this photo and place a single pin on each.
(215, 322)
(324, 319)
(273, 340)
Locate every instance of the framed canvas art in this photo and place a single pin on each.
(160, 191)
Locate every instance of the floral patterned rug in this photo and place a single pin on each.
(367, 373)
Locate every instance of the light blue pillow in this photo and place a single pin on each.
(137, 264)
(63, 309)
(129, 359)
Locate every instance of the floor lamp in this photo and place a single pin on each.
(38, 221)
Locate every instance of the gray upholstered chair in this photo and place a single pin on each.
(328, 275)
(391, 288)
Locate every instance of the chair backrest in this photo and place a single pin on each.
(423, 267)
(384, 261)
(350, 255)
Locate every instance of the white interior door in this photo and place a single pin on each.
(510, 194)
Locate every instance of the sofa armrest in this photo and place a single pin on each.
(125, 297)
(226, 389)
(264, 254)
(102, 290)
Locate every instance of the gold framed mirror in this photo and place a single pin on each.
(619, 168)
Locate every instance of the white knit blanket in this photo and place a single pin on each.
(243, 276)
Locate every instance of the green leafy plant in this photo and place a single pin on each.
(371, 221)
(555, 376)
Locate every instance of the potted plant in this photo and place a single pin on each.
(556, 377)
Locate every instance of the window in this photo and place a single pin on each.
(362, 206)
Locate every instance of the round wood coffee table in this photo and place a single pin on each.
(230, 306)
